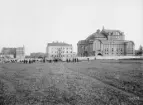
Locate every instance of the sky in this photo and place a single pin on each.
(34, 23)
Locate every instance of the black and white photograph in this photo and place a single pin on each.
(71, 52)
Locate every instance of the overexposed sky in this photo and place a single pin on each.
(34, 23)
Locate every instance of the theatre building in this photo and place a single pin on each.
(105, 43)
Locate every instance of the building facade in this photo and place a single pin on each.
(58, 50)
(105, 43)
(18, 52)
(11, 52)
(38, 55)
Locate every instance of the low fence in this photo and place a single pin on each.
(109, 57)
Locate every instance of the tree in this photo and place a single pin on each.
(140, 50)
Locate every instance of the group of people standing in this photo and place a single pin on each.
(73, 60)
(67, 60)
(29, 61)
(25, 61)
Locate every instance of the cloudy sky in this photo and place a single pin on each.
(34, 23)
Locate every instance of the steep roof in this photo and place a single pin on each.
(58, 44)
(108, 31)
(95, 35)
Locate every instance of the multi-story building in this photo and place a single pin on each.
(106, 43)
(8, 52)
(20, 52)
(15, 52)
(58, 50)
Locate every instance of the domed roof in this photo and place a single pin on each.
(95, 35)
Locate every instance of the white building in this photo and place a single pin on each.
(58, 50)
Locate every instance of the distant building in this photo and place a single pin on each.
(20, 52)
(37, 55)
(8, 51)
(58, 50)
(105, 43)
(13, 52)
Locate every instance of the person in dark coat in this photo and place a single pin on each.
(29, 61)
(77, 60)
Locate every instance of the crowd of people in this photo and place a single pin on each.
(29, 61)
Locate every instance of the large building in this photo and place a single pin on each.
(18, 52)
(9, 52)
(106, 43)
(59, 50)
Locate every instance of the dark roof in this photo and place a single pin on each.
(96, 35)
(58, 44)
(107, 31)
(127, 41)
(82, 42)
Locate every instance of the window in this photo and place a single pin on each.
(112, 49)
(107, 49)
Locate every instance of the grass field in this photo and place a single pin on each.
(99, 82)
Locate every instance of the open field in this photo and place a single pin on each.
(99, 82)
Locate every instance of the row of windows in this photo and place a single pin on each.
(106, 53)
(62, 52)
(61, 55)
(117, 49)
(63, 48)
